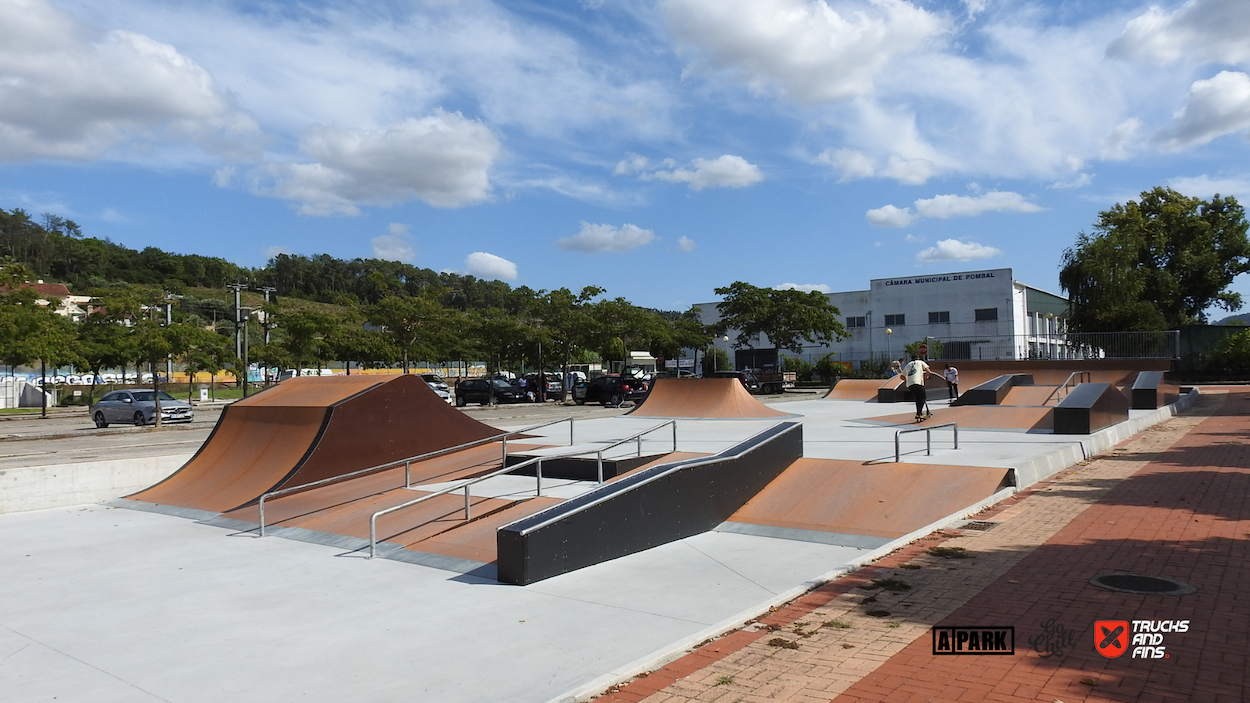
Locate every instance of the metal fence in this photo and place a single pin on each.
(1089, 345)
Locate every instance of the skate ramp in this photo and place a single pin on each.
(311, 428)
(703, 398)
(856, 389)
(983, 417)
(873, 500)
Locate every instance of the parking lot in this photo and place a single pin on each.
(68, 435)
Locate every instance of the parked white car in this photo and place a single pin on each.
(138, 407)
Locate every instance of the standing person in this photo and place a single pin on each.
(916, 371)
(951, 374)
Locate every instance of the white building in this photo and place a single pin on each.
(973, 314)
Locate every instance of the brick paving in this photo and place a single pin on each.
(1173, 501)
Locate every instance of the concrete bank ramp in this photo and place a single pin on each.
(723, 398)
(838, 501)
(308, 429)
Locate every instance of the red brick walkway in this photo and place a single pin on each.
(1185, 515)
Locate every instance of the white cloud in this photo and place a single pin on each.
(1081, 180)
(913, 239)
(909, 171)
(804, 50)
(947, 206)
(1211, 30)
(1205, 186)
(395, 246)
(955, 250)
(596, 239)
(890, 216)
(1117, 143)
(490, 267)
(851, 164)
(805, 287)
(69, 91)
(1217, 106)
(726, 171)
(271, 252)
(685, 244)
(444, 160)
(632, 163)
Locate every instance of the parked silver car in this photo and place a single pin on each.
(139, 408)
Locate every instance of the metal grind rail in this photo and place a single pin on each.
(408, 464)
(1062, 390)
(928, 438)
(538, 476)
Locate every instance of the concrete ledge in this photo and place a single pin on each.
(60, 485)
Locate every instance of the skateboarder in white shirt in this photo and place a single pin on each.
(916, 372)
(951, 374)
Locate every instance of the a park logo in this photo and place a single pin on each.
(974, 640)
(1111, 637)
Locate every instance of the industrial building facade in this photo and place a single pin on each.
(969, 314)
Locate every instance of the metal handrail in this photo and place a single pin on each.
(928, 438)
(1063, 387)
(538, 475)
(407, 464)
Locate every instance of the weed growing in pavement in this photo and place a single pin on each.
(891, 584)
(911, 567)
(724, 680)
(841, 624)
(783, 643)
(891, 624)
(950, 553)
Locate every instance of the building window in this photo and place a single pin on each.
(857, 322)
(895, 320)
(986, 314)
(939, 317)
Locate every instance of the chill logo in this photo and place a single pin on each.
(1144, 638)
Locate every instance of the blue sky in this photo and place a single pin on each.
(658, 149)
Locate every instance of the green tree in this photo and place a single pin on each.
(787, 317)
(104, 344)
(935, 348)
(1232, 354)
(31, 332)
(1156, 264)
(414, 325)
(827, 368)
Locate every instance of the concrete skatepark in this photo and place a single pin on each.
(168, 595)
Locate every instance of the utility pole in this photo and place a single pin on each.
(239, 323)
(266, 326)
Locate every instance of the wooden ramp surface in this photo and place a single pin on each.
(703, 398)
(990, 417)
(855, 389)
(307, 429)
(877, 500)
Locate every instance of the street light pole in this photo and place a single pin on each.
(888, 355)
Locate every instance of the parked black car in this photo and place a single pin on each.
(478, 390)
(554, 389)
(612, 389)
(748, 380)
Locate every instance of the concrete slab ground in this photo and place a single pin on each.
(106, 604)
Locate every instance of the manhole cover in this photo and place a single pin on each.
(1143, 584)
(978, 525)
